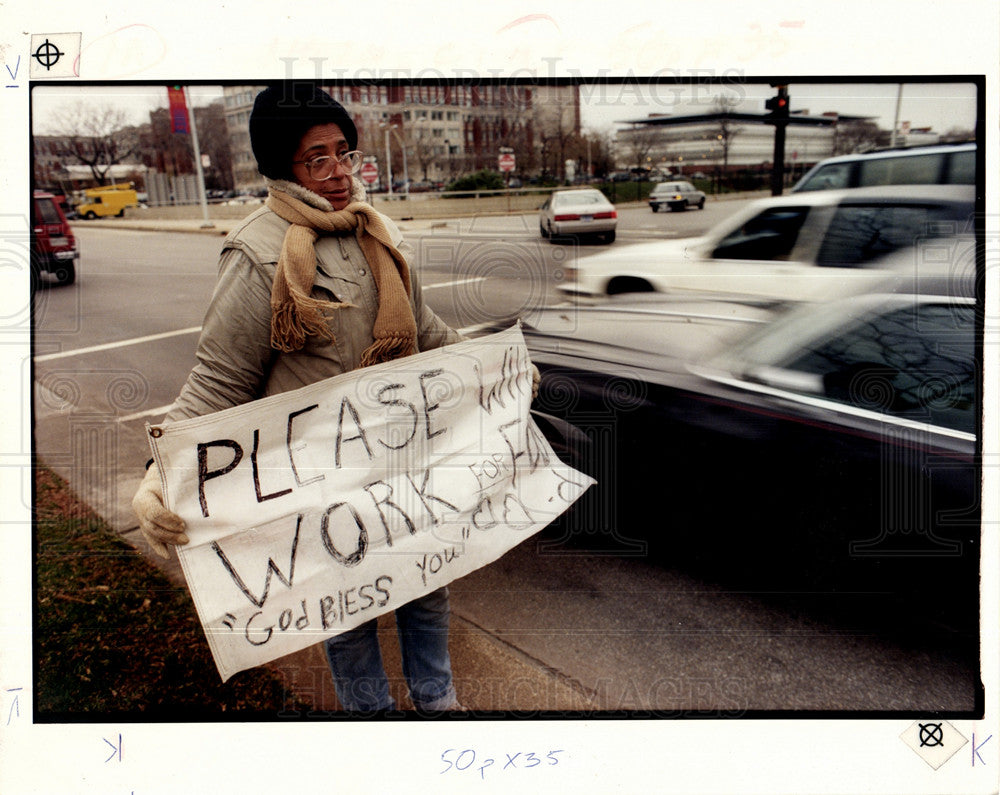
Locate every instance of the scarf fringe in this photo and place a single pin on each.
(295, 319)
(386, 349)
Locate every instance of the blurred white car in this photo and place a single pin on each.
(579, 213)
(804, 246)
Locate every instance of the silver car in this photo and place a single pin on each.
(578, 213)
(676, 196)
(941, 165)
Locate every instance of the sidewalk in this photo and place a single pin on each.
(489, 674)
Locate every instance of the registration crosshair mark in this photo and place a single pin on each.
(47, 54)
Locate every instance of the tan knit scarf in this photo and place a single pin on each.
(295, 314)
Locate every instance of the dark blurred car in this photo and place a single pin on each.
(830, 449)
(797, 247)
(423, 186)
(53, 246)
(676, 196)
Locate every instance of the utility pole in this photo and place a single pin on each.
(388, 161)
(895, 121)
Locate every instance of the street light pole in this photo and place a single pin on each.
(406, 168)
(402, 147)
(388, 161)
(207, 224)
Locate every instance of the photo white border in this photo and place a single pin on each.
(253, 41)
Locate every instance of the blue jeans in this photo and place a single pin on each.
(356, 660)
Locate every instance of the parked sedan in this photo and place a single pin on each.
(676, 196)
(580, 213)
(799, 247)
(831, 449)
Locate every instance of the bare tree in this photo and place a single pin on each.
(421, 143)
(96, 136)
(595, 152)
(640, 141)
(858, 136)
(726, 129)
(515, 126)
(557, 126)
(213, 140)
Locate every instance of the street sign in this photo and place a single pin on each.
(506, 162)
(369, 172)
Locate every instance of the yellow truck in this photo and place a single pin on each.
(108, 200)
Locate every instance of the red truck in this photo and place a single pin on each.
(53, 246)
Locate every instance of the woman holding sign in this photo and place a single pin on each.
(314, 284)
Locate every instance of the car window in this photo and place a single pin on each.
(768, 235)
(915, 362)
(859, 233)
(831, 177)
(581, 198)
(962, 168)
(46, 212)
(909, 170)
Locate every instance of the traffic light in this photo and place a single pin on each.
(778, 104)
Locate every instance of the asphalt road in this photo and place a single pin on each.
(558, 623)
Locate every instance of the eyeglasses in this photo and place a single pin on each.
(322, 168)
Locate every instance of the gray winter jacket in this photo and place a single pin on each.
(236, 363)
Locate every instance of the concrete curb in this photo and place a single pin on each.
(223, 226)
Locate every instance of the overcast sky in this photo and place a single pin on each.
(940, 106)
(937, 105)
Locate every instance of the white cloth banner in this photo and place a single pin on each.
(313, 511)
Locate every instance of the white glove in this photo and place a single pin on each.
(158, 525)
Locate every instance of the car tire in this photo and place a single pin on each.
(701, 205)
(65, 273)
(91, 215)
(656, 207)
(609, 237)
(543, 230)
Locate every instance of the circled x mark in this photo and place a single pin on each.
(931, 735)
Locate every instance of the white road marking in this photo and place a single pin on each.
(48, 357)
(120, 344)
(147, 413)
(455, 284)
(159, 410)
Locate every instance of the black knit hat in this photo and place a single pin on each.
(282, 113)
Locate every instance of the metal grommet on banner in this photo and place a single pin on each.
(156, 433)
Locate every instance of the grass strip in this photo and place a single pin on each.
(114, 637)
